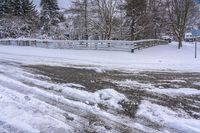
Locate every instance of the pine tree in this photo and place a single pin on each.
(20, 18)
(49, 14)
(28, 9)
(9, 7)
(54, 6)
(136, 14)
(6, 7)
(14, 7)
(2, 8)
(49, 8)
(18, 8)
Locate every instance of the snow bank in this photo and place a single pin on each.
(174, 81)
(165, 116)
(197, 83)
(28, 115)
(134, 84)
(33, 105)
(108, 97)
(169, 91)
(176, 92)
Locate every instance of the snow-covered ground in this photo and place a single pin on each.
(163, 102)
(166, 57)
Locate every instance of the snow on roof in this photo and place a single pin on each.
(188, 33)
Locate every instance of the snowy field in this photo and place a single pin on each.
(84, 91)
(160, 57)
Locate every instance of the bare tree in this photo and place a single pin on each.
(178, 13)
(129, 19)
(104, 14)
(76, 18)
(143, 18)
(156, 14)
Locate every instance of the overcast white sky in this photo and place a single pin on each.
(62, 3)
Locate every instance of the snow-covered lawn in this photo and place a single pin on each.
(166, 57)
(154, 90)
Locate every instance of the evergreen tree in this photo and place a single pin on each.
(28, 9)
(6, 7)
(20, 18)
(136, 15)
(17, 8)
(22, 8)
(49, 14)
(49, 9)
(2, 9)
(54, 5)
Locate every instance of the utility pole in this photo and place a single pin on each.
(121, 25)
(195, 48)
(86, 19)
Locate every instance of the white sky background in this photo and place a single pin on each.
(61, 3)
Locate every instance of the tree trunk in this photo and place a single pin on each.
(132, 29)
(180, 44)
(132, 33)
(109, 31)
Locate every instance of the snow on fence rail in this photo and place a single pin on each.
(113, 45)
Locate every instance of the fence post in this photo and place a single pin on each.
(195, 49)
(132, 50)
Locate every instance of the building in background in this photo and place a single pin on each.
(191, 35)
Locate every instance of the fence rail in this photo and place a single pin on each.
(112, 45)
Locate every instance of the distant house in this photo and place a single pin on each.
(190, 36)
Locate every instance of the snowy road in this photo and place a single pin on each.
(55, 92)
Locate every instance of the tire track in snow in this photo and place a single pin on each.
(14, 84)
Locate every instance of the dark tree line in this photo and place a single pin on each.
(26, 21)
(132, 19)
(50, 15)
(17, 18)
(136, 13)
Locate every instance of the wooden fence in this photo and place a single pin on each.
(112, 45)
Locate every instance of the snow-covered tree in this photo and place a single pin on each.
(135, 17)
(79, 18)
(19, 18)
(105, 12)
(93, 18)
(178, 13)
(52, 21)
(28, 9)
(2, 8)
(6, 7)
(49, 14)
